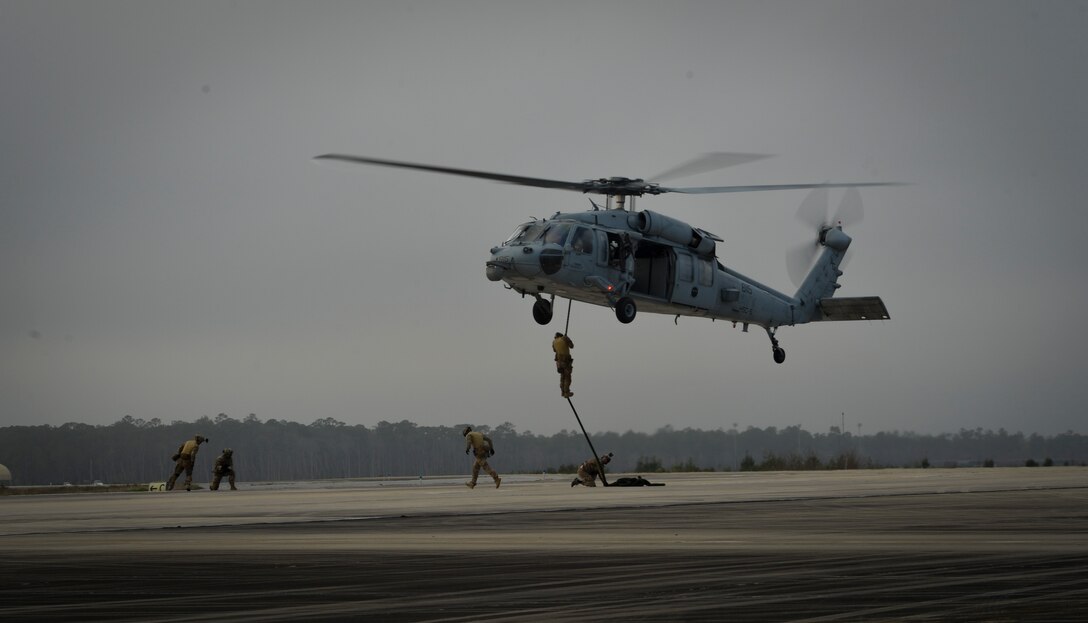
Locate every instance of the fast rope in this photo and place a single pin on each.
(600, 465)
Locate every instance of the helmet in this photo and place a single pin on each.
(200, 439)
(228, 451)
(468, 429)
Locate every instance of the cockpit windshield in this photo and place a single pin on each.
(557, 233)
(525, 233)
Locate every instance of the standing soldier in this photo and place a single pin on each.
(564, 363)
(588, 471)
(482, 447)
(224, 466)
(186, 458)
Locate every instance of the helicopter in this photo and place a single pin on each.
(629, 260)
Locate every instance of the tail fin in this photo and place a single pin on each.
(823, 278)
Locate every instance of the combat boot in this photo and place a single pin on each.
(498, 481)
(470, 485)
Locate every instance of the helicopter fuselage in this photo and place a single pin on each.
(659, 263)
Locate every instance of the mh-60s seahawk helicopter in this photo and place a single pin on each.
(632, 260)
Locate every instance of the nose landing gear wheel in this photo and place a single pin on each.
(542, 311)
(779, 355)
(625, 310)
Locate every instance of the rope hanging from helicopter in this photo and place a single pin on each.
(566, 330)
(600, 466)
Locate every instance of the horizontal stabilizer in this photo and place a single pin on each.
(853, 308)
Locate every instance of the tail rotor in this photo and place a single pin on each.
(813, 213)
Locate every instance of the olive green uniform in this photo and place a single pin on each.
(224, 466)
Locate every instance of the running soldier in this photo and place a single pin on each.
(482, 448)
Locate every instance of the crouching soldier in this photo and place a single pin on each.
(224, 466)
(186, 458)
(588, 471)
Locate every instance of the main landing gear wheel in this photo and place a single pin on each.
(542, 311)
(625, 310)
(776, 350)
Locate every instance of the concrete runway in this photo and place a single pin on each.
(870, 545)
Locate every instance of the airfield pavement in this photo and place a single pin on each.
(1003, 544)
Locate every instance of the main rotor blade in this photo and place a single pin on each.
(704, 190)
(707, 162)
(498, 177)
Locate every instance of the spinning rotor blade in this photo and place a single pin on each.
(813, 209)
(707, 162)
(498, 177)
(813, 213)
(609, 185)
(850, 210)
(746, 189)
(799, 261)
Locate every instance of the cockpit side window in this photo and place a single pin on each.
(582, 241)
(557, 233)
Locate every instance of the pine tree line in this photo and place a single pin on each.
(132, 450)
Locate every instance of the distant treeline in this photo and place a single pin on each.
(132, 450)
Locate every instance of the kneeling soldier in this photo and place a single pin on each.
(224, 466)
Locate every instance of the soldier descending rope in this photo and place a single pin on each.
(564, 363)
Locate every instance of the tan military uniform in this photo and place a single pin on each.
(186, 459)
(481, 447)
(588, 471)
(224, 466)
(564, 363)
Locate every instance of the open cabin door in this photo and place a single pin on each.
(654, 270)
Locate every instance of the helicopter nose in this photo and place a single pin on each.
(495, 271)
(499, 264)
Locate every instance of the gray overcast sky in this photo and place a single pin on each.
(169, 249)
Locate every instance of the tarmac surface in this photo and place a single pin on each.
(869, 545)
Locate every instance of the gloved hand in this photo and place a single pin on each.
(175, 457)
(490, 453)
(466, 451)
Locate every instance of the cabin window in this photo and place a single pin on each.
(683, 267)
(582, 241)
(706, 273)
